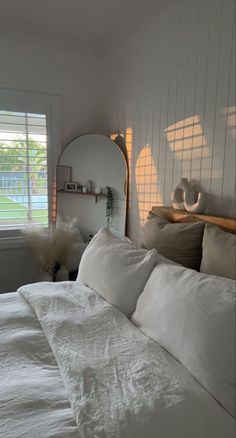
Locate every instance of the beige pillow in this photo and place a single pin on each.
(218, 256)
(180, 242)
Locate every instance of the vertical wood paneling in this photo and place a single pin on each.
(173, 85)
(221, 118)
(228, 188)
(200, 80)
(211, 91)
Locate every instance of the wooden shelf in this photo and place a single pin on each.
(95, 195)
(172, 215)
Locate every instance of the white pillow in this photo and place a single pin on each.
(192, 315)
(116, 270)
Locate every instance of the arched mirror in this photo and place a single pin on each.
(92, 184)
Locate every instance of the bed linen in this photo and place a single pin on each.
(33, 400)
(68, 350)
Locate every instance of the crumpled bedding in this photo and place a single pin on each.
(33, 400)
(120, 383)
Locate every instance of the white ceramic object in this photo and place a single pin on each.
(98, 190)
(89, 186)
(177, 196)
(196, 207)
(184, 195)
(84, 189)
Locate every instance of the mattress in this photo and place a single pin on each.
(73, 365)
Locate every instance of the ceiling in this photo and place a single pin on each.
(88, 25)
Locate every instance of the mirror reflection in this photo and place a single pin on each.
(91, 185)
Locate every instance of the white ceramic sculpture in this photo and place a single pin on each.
(184, 195)
(89, 185)
(196, 207)
(98, 190)
(177, 196)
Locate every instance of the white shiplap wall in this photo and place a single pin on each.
(171, 93)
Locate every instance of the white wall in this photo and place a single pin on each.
(17, 267)
(170, 90)
(73, 77)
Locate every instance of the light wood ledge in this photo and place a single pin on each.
(173, 215)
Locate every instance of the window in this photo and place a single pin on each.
(23, 170)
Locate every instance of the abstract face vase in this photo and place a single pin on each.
(184, 197)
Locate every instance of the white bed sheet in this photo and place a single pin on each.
(33, 400)
(119, 383)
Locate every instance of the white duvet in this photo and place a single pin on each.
(73, 365)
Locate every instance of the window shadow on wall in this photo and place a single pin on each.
(187, 140)
(188, 144)
(147, 184)
(230, 113)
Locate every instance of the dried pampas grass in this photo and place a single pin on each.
(63, 238)
(40, 241)
(53, 245)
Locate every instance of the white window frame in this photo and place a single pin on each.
(37, 103)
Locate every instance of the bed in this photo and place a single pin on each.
(73, 365)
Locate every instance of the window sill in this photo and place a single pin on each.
(12, 243)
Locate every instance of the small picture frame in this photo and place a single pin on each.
(63, 175)
(71, 186)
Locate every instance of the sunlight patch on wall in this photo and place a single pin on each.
(146, 183)
(186, 139)
(230, 113)
(128, 141)
(54, 201)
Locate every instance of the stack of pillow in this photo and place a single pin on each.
(190, 314)
(194, 245)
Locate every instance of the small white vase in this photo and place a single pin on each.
(89, 186)
(62, 274)
(177, 196)
(196, 207)
(98, 190)
(184, 197)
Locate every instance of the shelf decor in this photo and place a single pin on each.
(71, 186)
(97, 196)
(184, 197)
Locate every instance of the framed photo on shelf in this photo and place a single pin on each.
(63, 175)
(71, 186)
